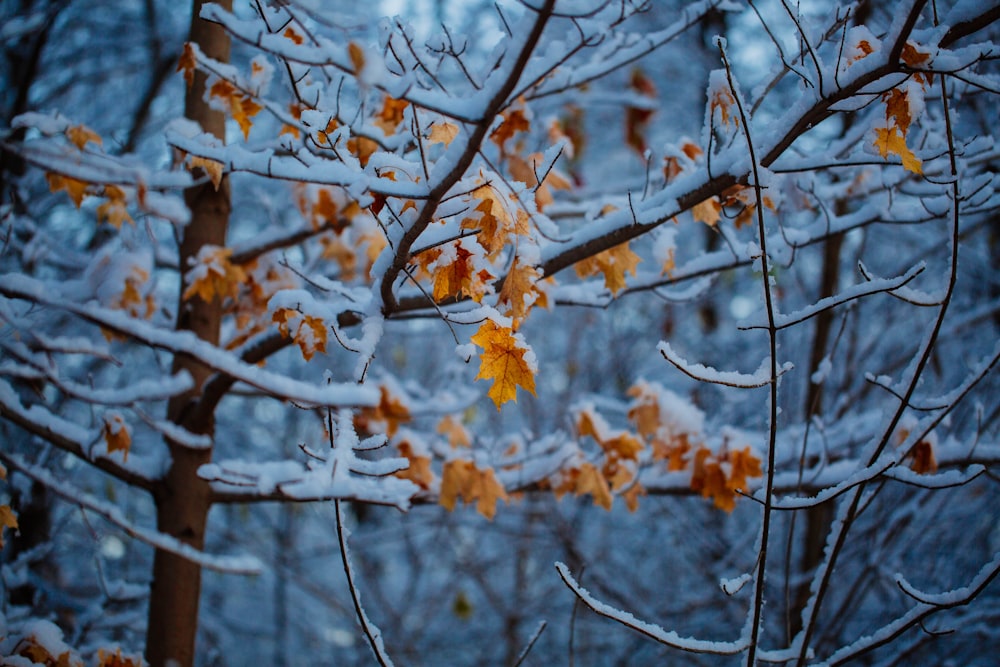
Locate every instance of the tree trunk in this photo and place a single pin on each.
(819, 517)
(182, 498)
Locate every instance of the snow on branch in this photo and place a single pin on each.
(22, 287)
(759, 378)
(655, 632)
(113, 514)
(872, 285)
(927, 604)
(67, 436)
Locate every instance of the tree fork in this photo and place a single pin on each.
(182, 498)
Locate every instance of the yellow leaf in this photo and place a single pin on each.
(613, 263)
(707, 211)
(116, 434)
(443, 133)
(116, 659)
(391, 114)
(115, 210)
(462, 479)
(212, 167)
(457, 434)
(244, 108)
(187, 64)
(8, 519)
(742, 464)
(310, 332)
(292, 35)
(386, 416)
(518, 291)
(357, 55)
(495, 225)
(589, 480)
(81, 135)
(514, 121)
(74, 188)
(419, 472)
(889, 140)
(214, 275)
(503, 361)
(459, 277)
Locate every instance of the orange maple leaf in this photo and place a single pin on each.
(637, 117)
(708, 211)
(419, 472)
(889, 140)
(8, 519)
(506, 359)
(116, 659)
(442, 133)
(357, 55)
(518, 292)
(310, 332)
(462, 479)
(115, 210)
(613, 263)
(214, 275)
(458, 276)
(187, 63)
(81, 135)
(588, 479)
(241, 105)
(386, 416)
(458, 435)
(212, 167)
(514, 120)
(116, 434)
(495, 223)
(76, 189)
(391, 114)
(743, 463)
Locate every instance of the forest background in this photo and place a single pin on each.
(555, 331)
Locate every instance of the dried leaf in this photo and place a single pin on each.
(214, 275)
(310, 332)
(514, 121)
(458, 435)
(116, 434)
(889, 140)
(385, 417)
(212, 167)
(708, 211)
(462, 479)
(419, 472)
(504, 361)
(115, 210)
(518, 292)
(357, 56)
(187, 63)
(81, 135)
(613, 263)
(443, 133)
(76, 190)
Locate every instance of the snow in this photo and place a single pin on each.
(759, 378)
(20, 286)
(113, 513)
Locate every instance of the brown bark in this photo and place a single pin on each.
(820, 517)
(182, 498)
